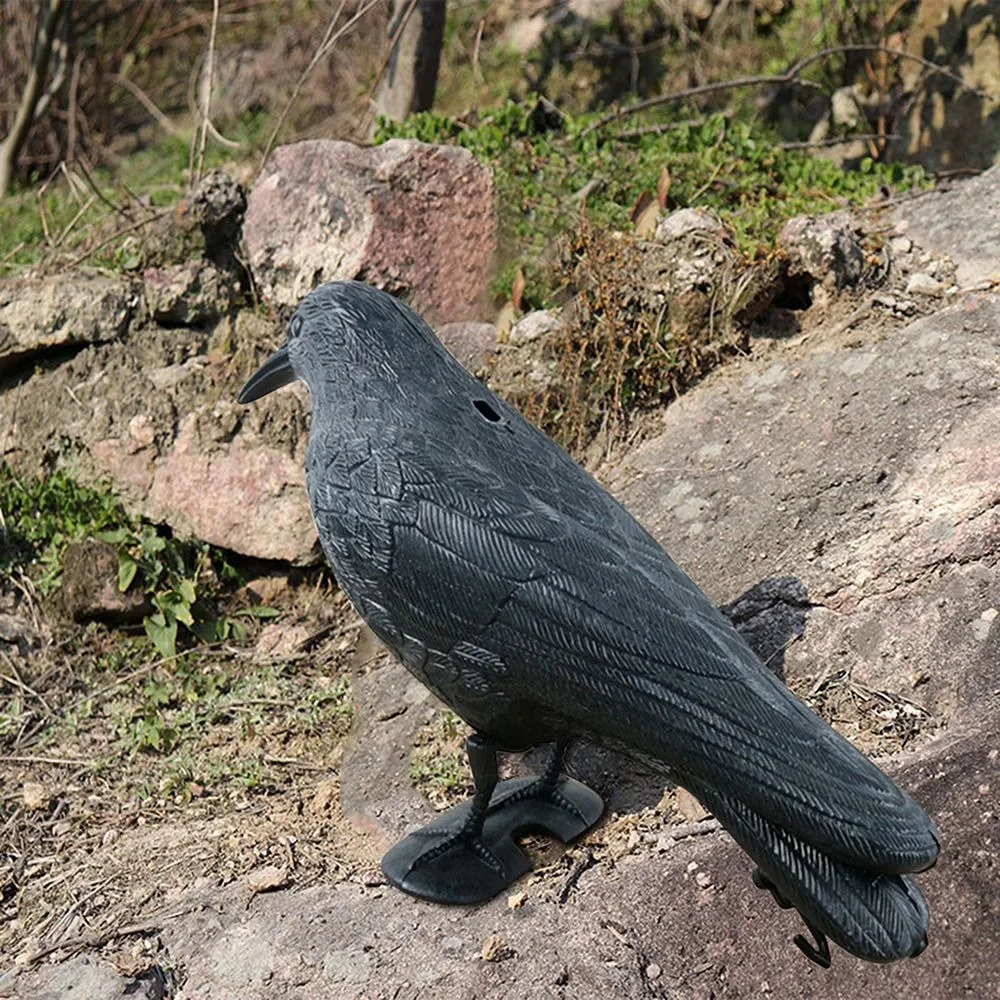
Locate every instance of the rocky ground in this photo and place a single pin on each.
(838, 485)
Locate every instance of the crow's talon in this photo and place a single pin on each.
(818, 953)
(466, 840)
(541, 790)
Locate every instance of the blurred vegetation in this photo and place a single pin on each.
(119, 141)
(736, 169)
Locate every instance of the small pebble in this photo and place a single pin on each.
(923, 284)
(266, 877)
(35, 796)
(495, 949)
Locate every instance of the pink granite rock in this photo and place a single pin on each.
(417, 220)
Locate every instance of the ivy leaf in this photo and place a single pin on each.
(258, 611)
(127, 568)
(162, 633)
(115, 536)
(186, 589)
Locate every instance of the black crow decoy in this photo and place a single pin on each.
(531, 602)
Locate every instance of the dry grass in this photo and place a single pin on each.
(632, 338)
(98, 825)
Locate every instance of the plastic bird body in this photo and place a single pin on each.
(530, 601)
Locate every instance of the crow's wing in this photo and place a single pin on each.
(605, 630)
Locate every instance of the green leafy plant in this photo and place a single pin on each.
(40, 517)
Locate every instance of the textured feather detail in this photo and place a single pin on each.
(875, 916)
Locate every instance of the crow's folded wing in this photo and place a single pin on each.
(609, 633)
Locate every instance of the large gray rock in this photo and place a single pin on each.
(40, 314)
(825, 249)
(414, 219)
(867, 468)
(963, 222)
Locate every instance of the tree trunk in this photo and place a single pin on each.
(411, 78)
(33, 101)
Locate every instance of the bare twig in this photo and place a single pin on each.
(147, 102)
(583, 861)
(330, 38)
(791, 75)
(95, 189)
(838, 140)
(477, 72)
(19, 682)
(199, 161)
(80, 258)
(60, 49)
(696, 829)
(222, 140)
(60, 761)
(93, 941)
(74, 89)
(302, 765)
(637, 133)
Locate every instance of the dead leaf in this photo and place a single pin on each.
(663, 189)
(505, 321)
(640, 206)
(689, 807)
(645, 215)
(517, 291)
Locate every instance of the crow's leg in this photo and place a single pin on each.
(469, 854)
(560, 806)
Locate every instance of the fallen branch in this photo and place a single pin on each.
(791, 75)
(838, 140)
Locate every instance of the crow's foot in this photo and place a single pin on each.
(451, 861)
(563, 808)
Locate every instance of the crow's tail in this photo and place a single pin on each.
(875, 916)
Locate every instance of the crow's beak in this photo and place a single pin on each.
(273, 374)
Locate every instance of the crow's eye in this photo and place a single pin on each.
(486, 410)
